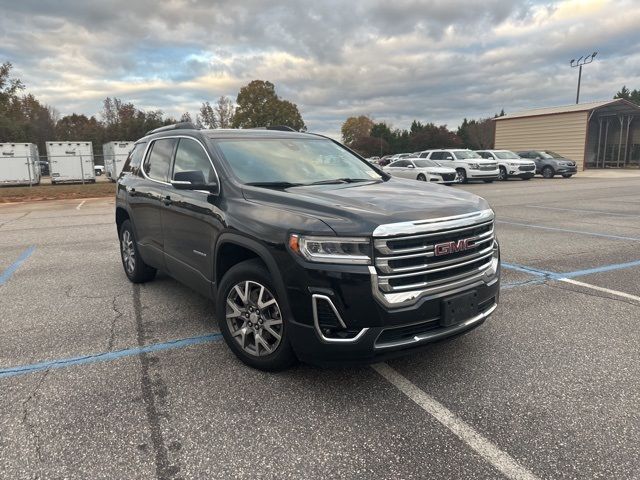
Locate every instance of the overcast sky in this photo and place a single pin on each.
(436, 60)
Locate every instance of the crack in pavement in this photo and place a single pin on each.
(30, 427)
(153, 398)
(14, 219)
(117, 316)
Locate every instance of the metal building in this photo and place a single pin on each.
(595, 135)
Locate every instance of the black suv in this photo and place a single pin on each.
(307, 250)
(549, 164)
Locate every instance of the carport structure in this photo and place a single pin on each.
(602, 134)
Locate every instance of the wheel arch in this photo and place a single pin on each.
(240, 248)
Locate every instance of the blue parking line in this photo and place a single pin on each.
(530, 270)
(11, 269)
(604, 268)
(107, 356)
(556, 229)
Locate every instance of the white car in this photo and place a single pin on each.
(510, 164)
(468, 164)
(99, 169)
(422, 169)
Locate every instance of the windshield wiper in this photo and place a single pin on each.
(274, 184)
(344, 180)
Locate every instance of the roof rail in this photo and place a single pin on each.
(175, 126)
(281, 128)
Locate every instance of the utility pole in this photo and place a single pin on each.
(585, 60)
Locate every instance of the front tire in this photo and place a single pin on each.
(548, 172)
(502, 176)
(134, 267)
(251, 318)
(462, 175)
(421, 177)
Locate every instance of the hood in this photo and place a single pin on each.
(358, 208)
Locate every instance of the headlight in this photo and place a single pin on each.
(473, 166)
(514, 164)
(351, 250)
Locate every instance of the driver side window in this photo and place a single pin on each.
(192, 163)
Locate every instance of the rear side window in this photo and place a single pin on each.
(437, 156)
(134, 159)
(192, 163)
(159, 159)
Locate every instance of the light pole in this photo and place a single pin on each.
(587, 59)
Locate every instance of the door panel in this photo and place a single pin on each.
(191, 222)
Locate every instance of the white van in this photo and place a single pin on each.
(468, 164)
(19, 164)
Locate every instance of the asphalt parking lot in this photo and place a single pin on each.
(103, 379)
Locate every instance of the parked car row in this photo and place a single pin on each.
(450, 166)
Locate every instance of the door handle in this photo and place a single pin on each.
(167, 200)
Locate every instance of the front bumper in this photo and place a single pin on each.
(378, 330)
(564, 170)
(482, 174)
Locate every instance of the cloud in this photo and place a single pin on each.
(437, 60)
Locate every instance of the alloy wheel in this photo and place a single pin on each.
(254, 318)
(128, 252)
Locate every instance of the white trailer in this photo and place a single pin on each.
(19, 164)
(115, 154)
(71, 162)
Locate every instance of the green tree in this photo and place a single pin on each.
(355, 128)
(260, 106)
(630, 95)
(207, 116)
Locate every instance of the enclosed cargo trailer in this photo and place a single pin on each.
(71, 162)
(115, 154)
(19, 164)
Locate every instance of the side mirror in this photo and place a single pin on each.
(449, 158)
(193, 181)
(411, 165)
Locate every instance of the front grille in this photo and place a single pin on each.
(527, 168)
(488, 166)
(412, 262)
(449, 177)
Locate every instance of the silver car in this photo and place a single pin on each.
(422, 169)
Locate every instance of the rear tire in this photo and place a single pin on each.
(249, 327)
(134, 267)
(462, 175)
(421, 177)
(502, 176)
(548, 172)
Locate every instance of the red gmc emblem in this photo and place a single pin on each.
(453, 247)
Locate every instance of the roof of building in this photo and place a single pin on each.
(619, 105)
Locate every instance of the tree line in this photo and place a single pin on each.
(23, 118)
(377, 139)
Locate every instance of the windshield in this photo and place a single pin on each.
(293, 161)
(550, 154)
(465, 154)
(506, 155)
(424, 163)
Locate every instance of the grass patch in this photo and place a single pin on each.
(56, 192)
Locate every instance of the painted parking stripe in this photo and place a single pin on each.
(616, 293)
(525, 269)
(465, 432)
(11, 269)
(604, 268)
(80, 205)
(599, 212)
(108, 356)
(565, 230)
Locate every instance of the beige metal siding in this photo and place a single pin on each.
(564, 133)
